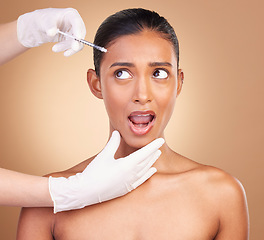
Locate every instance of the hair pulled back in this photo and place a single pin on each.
(132, 21)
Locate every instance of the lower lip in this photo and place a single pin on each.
(141, 130)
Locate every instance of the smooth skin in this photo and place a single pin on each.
(18, 189)
(184, 199)
(10, 47)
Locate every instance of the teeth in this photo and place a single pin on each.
(142, 119)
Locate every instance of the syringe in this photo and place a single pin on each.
(102, 49)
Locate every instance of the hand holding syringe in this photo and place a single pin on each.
(46, 25)
(102, 49)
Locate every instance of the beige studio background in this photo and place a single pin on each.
(50, 121)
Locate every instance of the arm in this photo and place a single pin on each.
(10, 47)
(18, 189)
(103, 179)
(234, 220)
(38, 27)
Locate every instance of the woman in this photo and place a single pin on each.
(139, 81)
(17, 189)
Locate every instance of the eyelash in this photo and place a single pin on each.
(122, 70)
(130, 75)
(161, 69)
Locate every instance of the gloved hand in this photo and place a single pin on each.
(105, 177)
(41, 26)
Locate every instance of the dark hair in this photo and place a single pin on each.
(131, 21)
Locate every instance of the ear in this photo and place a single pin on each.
(94, 83)
(180, 81)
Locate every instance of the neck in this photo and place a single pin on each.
(124, 149)
(162, 164)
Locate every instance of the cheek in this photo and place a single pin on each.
(166, 102)
(115, 102)
(167, 107)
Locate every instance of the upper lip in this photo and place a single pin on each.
(142, 113)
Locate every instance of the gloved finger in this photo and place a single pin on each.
(112, 145)
(69, 53)
(78, 26)
(150, 161)
(144, 178)
(49, 24)
(76, 46)
(68, 45)
(62, 46)
(143, 153)
(51, 32)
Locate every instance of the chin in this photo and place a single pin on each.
(138, 141)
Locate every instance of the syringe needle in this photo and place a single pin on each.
(102, 49)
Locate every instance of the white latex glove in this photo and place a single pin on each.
(105, 177)
(41, 26)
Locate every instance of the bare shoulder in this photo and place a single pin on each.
(38, 223)
(228, 198)
(221, 183)
(219, 186)
(35, 223)
(209, 176)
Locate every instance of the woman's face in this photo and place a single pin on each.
(139, 85)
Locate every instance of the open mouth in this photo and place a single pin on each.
(141, 121)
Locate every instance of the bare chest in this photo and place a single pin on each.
(142, 215)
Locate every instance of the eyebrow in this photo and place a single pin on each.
(157, 64)
(152, 64)
(122, 64)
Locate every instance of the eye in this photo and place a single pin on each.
(160, 74)
(122, 74)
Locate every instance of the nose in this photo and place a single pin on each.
(142, 91)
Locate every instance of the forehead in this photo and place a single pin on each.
(144, 47)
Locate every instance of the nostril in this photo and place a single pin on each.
(142, 101)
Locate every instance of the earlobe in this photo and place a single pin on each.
(180, 81)
(94, 83)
